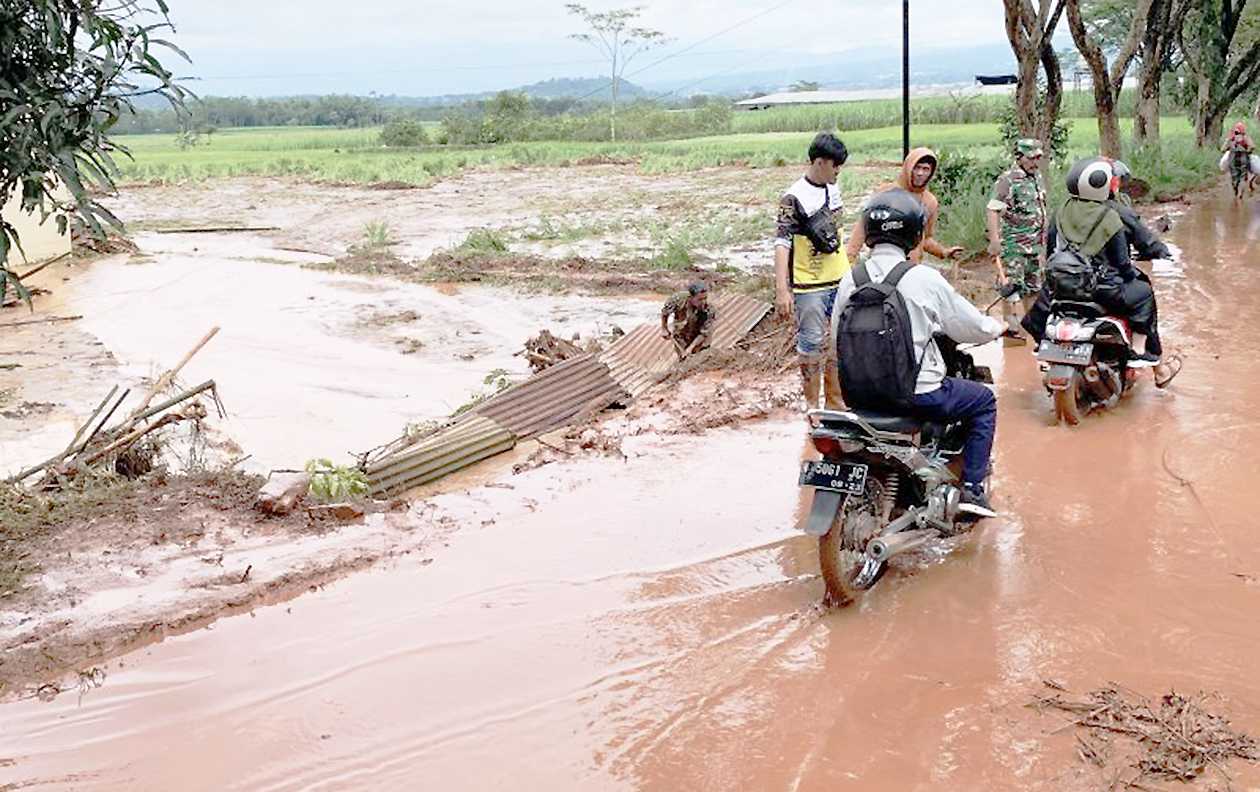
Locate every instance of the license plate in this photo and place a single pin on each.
(1073, 354)
(838, 476)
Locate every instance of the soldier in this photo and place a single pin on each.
(1017, 231)
(693, 320)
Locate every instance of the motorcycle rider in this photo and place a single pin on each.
(1147, 246)
(894, 221)
(1143, 240)
(1090, 222)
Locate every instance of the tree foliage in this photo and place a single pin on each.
(616, 35)
(68, 70)
(1221, 44)
(1108, 80)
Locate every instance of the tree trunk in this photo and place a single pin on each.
(1054, 93)
(612, 122)
(1026, 53)
(1154, 51)
(1107, 84)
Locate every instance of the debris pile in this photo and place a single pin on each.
(123, 447)
(546, 350)
(1175, 738)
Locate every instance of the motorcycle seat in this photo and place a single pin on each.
(1081, 310)
(897, 424)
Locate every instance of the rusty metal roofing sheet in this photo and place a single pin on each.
(642, 357)
(737, 315)
(449, 450)
(553, 397)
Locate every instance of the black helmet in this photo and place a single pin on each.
(895, 217)
(1090, 179)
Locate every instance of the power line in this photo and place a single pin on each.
(709, 38)
(693, 45)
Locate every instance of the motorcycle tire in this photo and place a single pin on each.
(1067, 402)
(842, 550)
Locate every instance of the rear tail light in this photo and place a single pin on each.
(1066, 331)
(830, 446)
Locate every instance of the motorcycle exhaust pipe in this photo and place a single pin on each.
(892, 545)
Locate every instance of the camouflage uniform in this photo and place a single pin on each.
(689, 322)
(1020, 198)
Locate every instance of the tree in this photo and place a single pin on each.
(801, 86)
(1159, 42)
(68, 70)
(616, 36)
(1108, 82)
(1222, 52)
(1030, 30)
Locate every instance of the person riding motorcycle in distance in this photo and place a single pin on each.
(1091, 224)
(894, 222)
(917, 172)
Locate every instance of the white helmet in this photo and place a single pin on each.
(1091, 179)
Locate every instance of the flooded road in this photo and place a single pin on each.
(653, 624)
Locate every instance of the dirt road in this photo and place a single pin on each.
(653, 623)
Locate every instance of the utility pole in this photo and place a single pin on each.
(905, 78)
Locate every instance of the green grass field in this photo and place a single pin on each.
(355, 156)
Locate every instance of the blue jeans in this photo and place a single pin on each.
(813, 321)
(976, 407)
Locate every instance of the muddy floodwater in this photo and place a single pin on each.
(654, 623)
(308, 363)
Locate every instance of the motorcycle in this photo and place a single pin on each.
(1085, 359)
(886, 485)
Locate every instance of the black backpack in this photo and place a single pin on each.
(875, 344)
(1069, 272)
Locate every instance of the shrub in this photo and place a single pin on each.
(402, 133)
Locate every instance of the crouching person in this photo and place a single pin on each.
(693, 320)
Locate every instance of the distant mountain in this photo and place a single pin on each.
(593, 89)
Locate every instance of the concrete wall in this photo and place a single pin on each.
(39, 241)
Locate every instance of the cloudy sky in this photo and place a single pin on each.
(425, 47)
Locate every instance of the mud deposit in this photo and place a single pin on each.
(653, 623)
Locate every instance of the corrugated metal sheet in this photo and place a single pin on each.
(553, 397)
(642, 357)
(449, 450)
(737, 314)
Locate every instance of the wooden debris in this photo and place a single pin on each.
(1178, 737)
(546, 350)
(342, 512)
(44, 320)
(216, 229)
(165, 381)
(282, 492)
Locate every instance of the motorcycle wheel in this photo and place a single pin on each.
(842, 550)
(1067, 402)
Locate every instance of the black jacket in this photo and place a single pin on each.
(1144, 241)
(1113, 263)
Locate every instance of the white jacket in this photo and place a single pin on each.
(934, 307)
